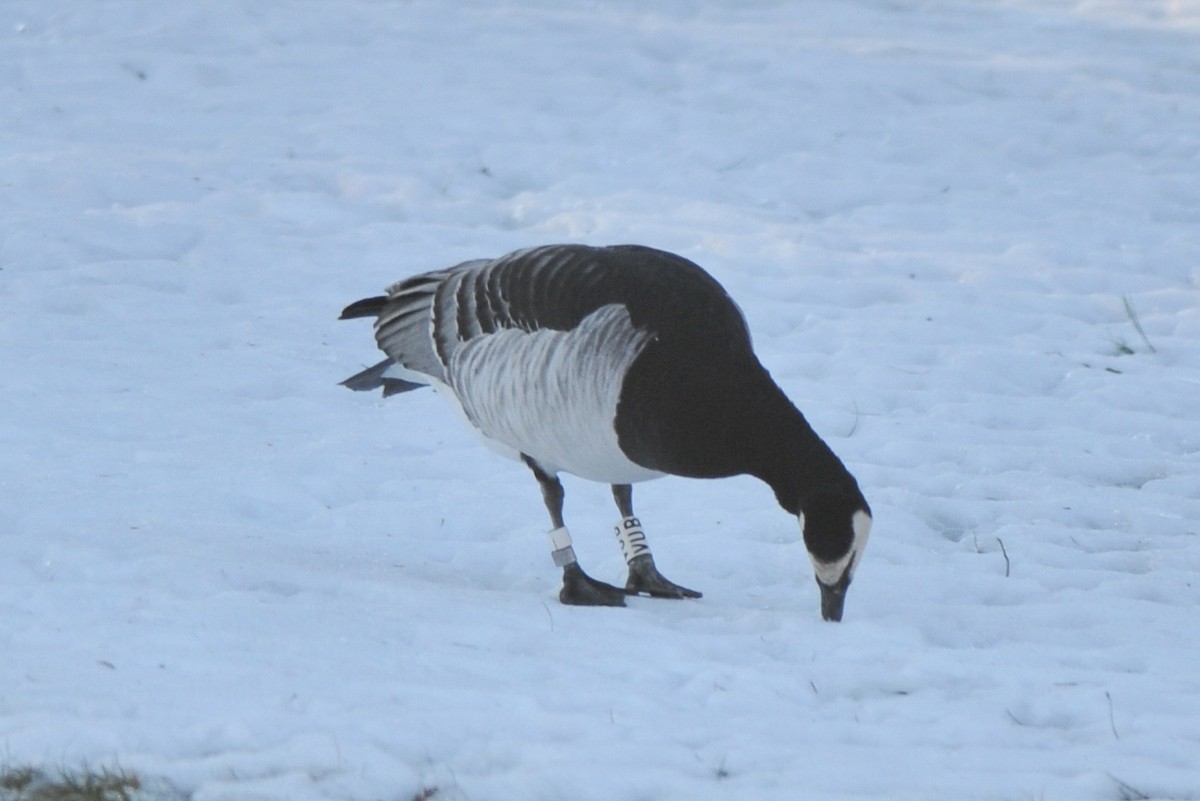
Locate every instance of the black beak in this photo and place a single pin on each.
(833, 599)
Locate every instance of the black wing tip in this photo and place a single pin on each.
(373, 378)
(367, 307)
(391, 386)
(394, 386)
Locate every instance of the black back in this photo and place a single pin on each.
(696, 402)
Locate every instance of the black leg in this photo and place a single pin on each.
(552, 491)
(579, 589)
(644, 577)
(623, 495)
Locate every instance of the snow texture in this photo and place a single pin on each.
(943, 219)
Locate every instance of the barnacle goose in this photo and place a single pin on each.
(616, 364)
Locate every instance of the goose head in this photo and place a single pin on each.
(836, 527)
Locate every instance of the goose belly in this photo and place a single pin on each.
(553, 394)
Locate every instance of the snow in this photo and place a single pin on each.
(220, 568)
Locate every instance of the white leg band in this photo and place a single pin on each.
(632, 538)
(561, 550)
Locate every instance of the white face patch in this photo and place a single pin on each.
(830, 573)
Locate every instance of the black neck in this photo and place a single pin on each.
(714, 420)
(792, 459)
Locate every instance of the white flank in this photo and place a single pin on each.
(553, 394)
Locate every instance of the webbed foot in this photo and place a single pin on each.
(580, 589)
(644, 579)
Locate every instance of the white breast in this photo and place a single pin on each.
(553, 394)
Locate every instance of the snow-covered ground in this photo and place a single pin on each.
(220, 568)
